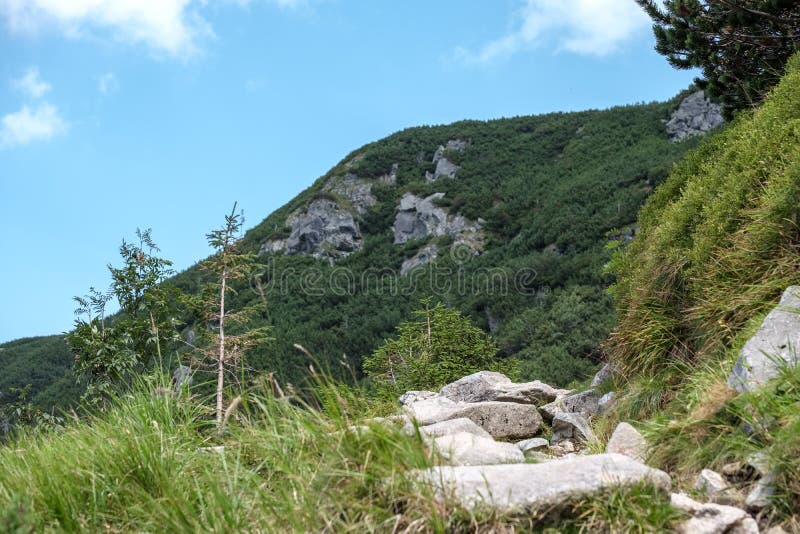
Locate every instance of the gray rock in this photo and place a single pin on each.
(391, 178)
(542, 486)
(606, 402)
(712, 518)
(533, 445)
(432, 410)
(628, 441)
(354, 189)
(410, 397)
(603, 375)
(695, 115)
(425, 255)
(323, 229)
(571, 426)
(506, 420)
(761, 495)
(492, 386)
(462, 425)
(711, 483)
(585, 403)
(468, 449)
(182, 377)
(444, 169)
(420, 217)
(776, 343)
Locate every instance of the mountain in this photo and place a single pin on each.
(507, 220)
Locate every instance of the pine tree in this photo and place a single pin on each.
(741, 45)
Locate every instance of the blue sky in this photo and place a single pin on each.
(118, 114)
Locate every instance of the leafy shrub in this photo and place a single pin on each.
(437, 348)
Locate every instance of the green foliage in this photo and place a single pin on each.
(549, 189)
(718, 242)
(740, 46)
(437, 348)
(152, 463)
(109, 352)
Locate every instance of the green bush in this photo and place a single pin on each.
(437, 348)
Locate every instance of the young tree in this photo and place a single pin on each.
(109, 351)
(741, 45)
(437, 348)
(227, 266)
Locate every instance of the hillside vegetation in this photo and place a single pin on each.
(718, 244)
(547, 191)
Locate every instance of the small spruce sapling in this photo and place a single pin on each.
(230, 333)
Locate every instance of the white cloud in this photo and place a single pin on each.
(31, 124)
(107, 83)
(167, 26)
(171, 27)
(587, 27)
(31, 84)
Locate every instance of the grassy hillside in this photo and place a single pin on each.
(547, 190)
(719, 243)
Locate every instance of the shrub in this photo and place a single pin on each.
(437, 348)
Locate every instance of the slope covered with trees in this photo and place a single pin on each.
(548, 192)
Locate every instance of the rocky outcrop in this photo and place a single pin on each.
(542, 486)
(776, 343)
(420, 217)
(492, 386)
(323, 229)
(357, 191)
(696, 115)
(444, 167)
(425, 255)
(410, 397)
(391, 177)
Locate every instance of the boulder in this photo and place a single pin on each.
(410, 397)
(432, 410)
(776, 343)
(712, 518)
(465, 448)
(571, 426)
(711, 483)
(462, 425)
(603, 375)
(761, 494)
(542, 486)
(695, 115)
(506, 420)
(585, 403)
(492, 386)
(628, 441)
(533, 445)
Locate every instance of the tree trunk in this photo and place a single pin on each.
(221, 355)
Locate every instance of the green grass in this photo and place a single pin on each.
(719, 242)
(146, 465)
